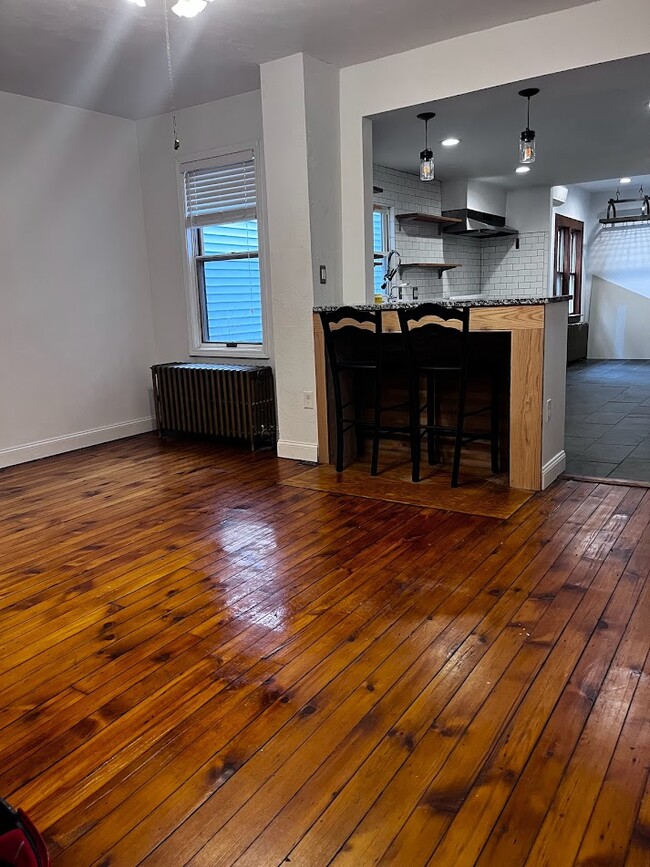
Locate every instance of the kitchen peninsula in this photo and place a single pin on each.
(537, 331)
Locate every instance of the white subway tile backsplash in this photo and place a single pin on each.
(498, 267)
(506, 269)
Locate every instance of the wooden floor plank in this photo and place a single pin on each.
(426, 663)
(205, 665)
(437, 738)
(638, 853)
(308, 798)
(518, 825)
(619, 799)
(470, 828)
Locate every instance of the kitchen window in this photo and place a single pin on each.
(225, 266)
(380, 243)
(567, 278)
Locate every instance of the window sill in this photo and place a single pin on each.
(220, 351)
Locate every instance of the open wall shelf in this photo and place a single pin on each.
(436, 219)
(439, 266)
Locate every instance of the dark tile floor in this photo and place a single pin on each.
(608, 419)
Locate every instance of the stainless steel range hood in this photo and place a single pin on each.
(477, 224)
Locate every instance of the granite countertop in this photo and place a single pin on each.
(479, 301)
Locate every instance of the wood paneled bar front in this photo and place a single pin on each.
(537, 329)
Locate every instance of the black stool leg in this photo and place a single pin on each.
(376, 426)
(414, 400)
(432, 437)
(358, 429)
(338, 410)
(460, 425)
(495, 420)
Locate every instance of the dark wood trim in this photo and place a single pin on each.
(569, 228)
(568, 223)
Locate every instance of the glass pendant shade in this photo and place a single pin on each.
(426, 165)
(426, 156)
(527, 147)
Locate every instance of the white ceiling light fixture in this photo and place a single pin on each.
(138, 2)
(450, 142)
(625, 181)
(522, 170)
(189, 8)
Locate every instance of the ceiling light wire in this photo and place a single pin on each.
(170, 73)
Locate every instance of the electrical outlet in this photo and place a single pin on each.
(308, 399)
(323, 275)
(549, 408)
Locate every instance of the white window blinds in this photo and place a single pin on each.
(223, 191)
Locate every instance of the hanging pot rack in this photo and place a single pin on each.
(613, 217)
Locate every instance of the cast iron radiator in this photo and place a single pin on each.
(225, 400)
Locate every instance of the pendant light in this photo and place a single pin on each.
(426, 156)
(527, 137)
(170, 75)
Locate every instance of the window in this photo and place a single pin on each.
(567, 278)
(221, 222)
(380, 243)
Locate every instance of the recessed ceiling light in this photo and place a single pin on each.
(450, 142)
(139, 2)
(625, 181)
(522, 170)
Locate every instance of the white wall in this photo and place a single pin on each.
(618, 264)
(76, 337)
(555, 354)
(529, 209)
(593, 33)
(619, 326)
(324, 173)
(299, 131)
(202, 128)
(301, 145)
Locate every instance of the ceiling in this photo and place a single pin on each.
(610, 185)
(109, 55)
(591, 123)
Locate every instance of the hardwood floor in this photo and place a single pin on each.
(201, 665)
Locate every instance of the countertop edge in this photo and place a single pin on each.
(454, 302)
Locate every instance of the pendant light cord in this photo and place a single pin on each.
(170, 73)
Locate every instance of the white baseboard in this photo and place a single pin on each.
(298, 451)
(70, 442)
(552, 469)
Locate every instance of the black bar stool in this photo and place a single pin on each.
(434, 350)
(354, 348)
